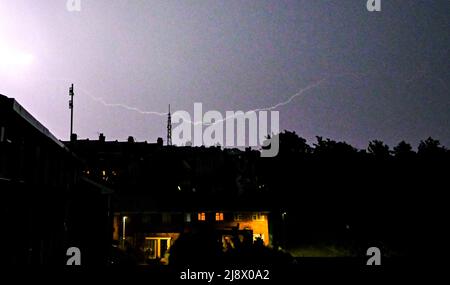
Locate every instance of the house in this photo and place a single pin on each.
(155, 232)
(162, 192)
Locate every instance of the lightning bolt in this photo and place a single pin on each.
(144, 112)
(103, 102)
(269, 108)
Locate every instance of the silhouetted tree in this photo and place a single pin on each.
(403, 150)
(378, 149)
(333, 148)
(431, 148)
(290, 142)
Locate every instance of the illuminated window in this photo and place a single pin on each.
(258, 217)
(156, 247)
(219, 216)
(104, 176)
(202, 216)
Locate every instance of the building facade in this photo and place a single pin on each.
(162, 192)
(47, 205)
(153, 233)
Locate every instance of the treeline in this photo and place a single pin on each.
(332, 190)
(291, 143)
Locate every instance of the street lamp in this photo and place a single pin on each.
(124, 219)
(284, 231)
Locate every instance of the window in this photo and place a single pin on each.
(166, 218)
(258, 217)
(219, 216)
(238, 217)
(202, 216)
(2, 134)
(156, 247)
(104, 175)
(187, 217)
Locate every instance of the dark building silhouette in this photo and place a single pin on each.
(164, 191)
(47, 204)
(131, 202)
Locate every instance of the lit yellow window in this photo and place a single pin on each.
(258, 217)
(202, 216)
(219, 216)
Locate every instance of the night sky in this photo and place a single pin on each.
(385, 74)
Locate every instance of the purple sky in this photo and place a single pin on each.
(386, 74)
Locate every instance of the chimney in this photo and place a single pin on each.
(159, 142)
(130, 139)
(73, 137)
(101, 137)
